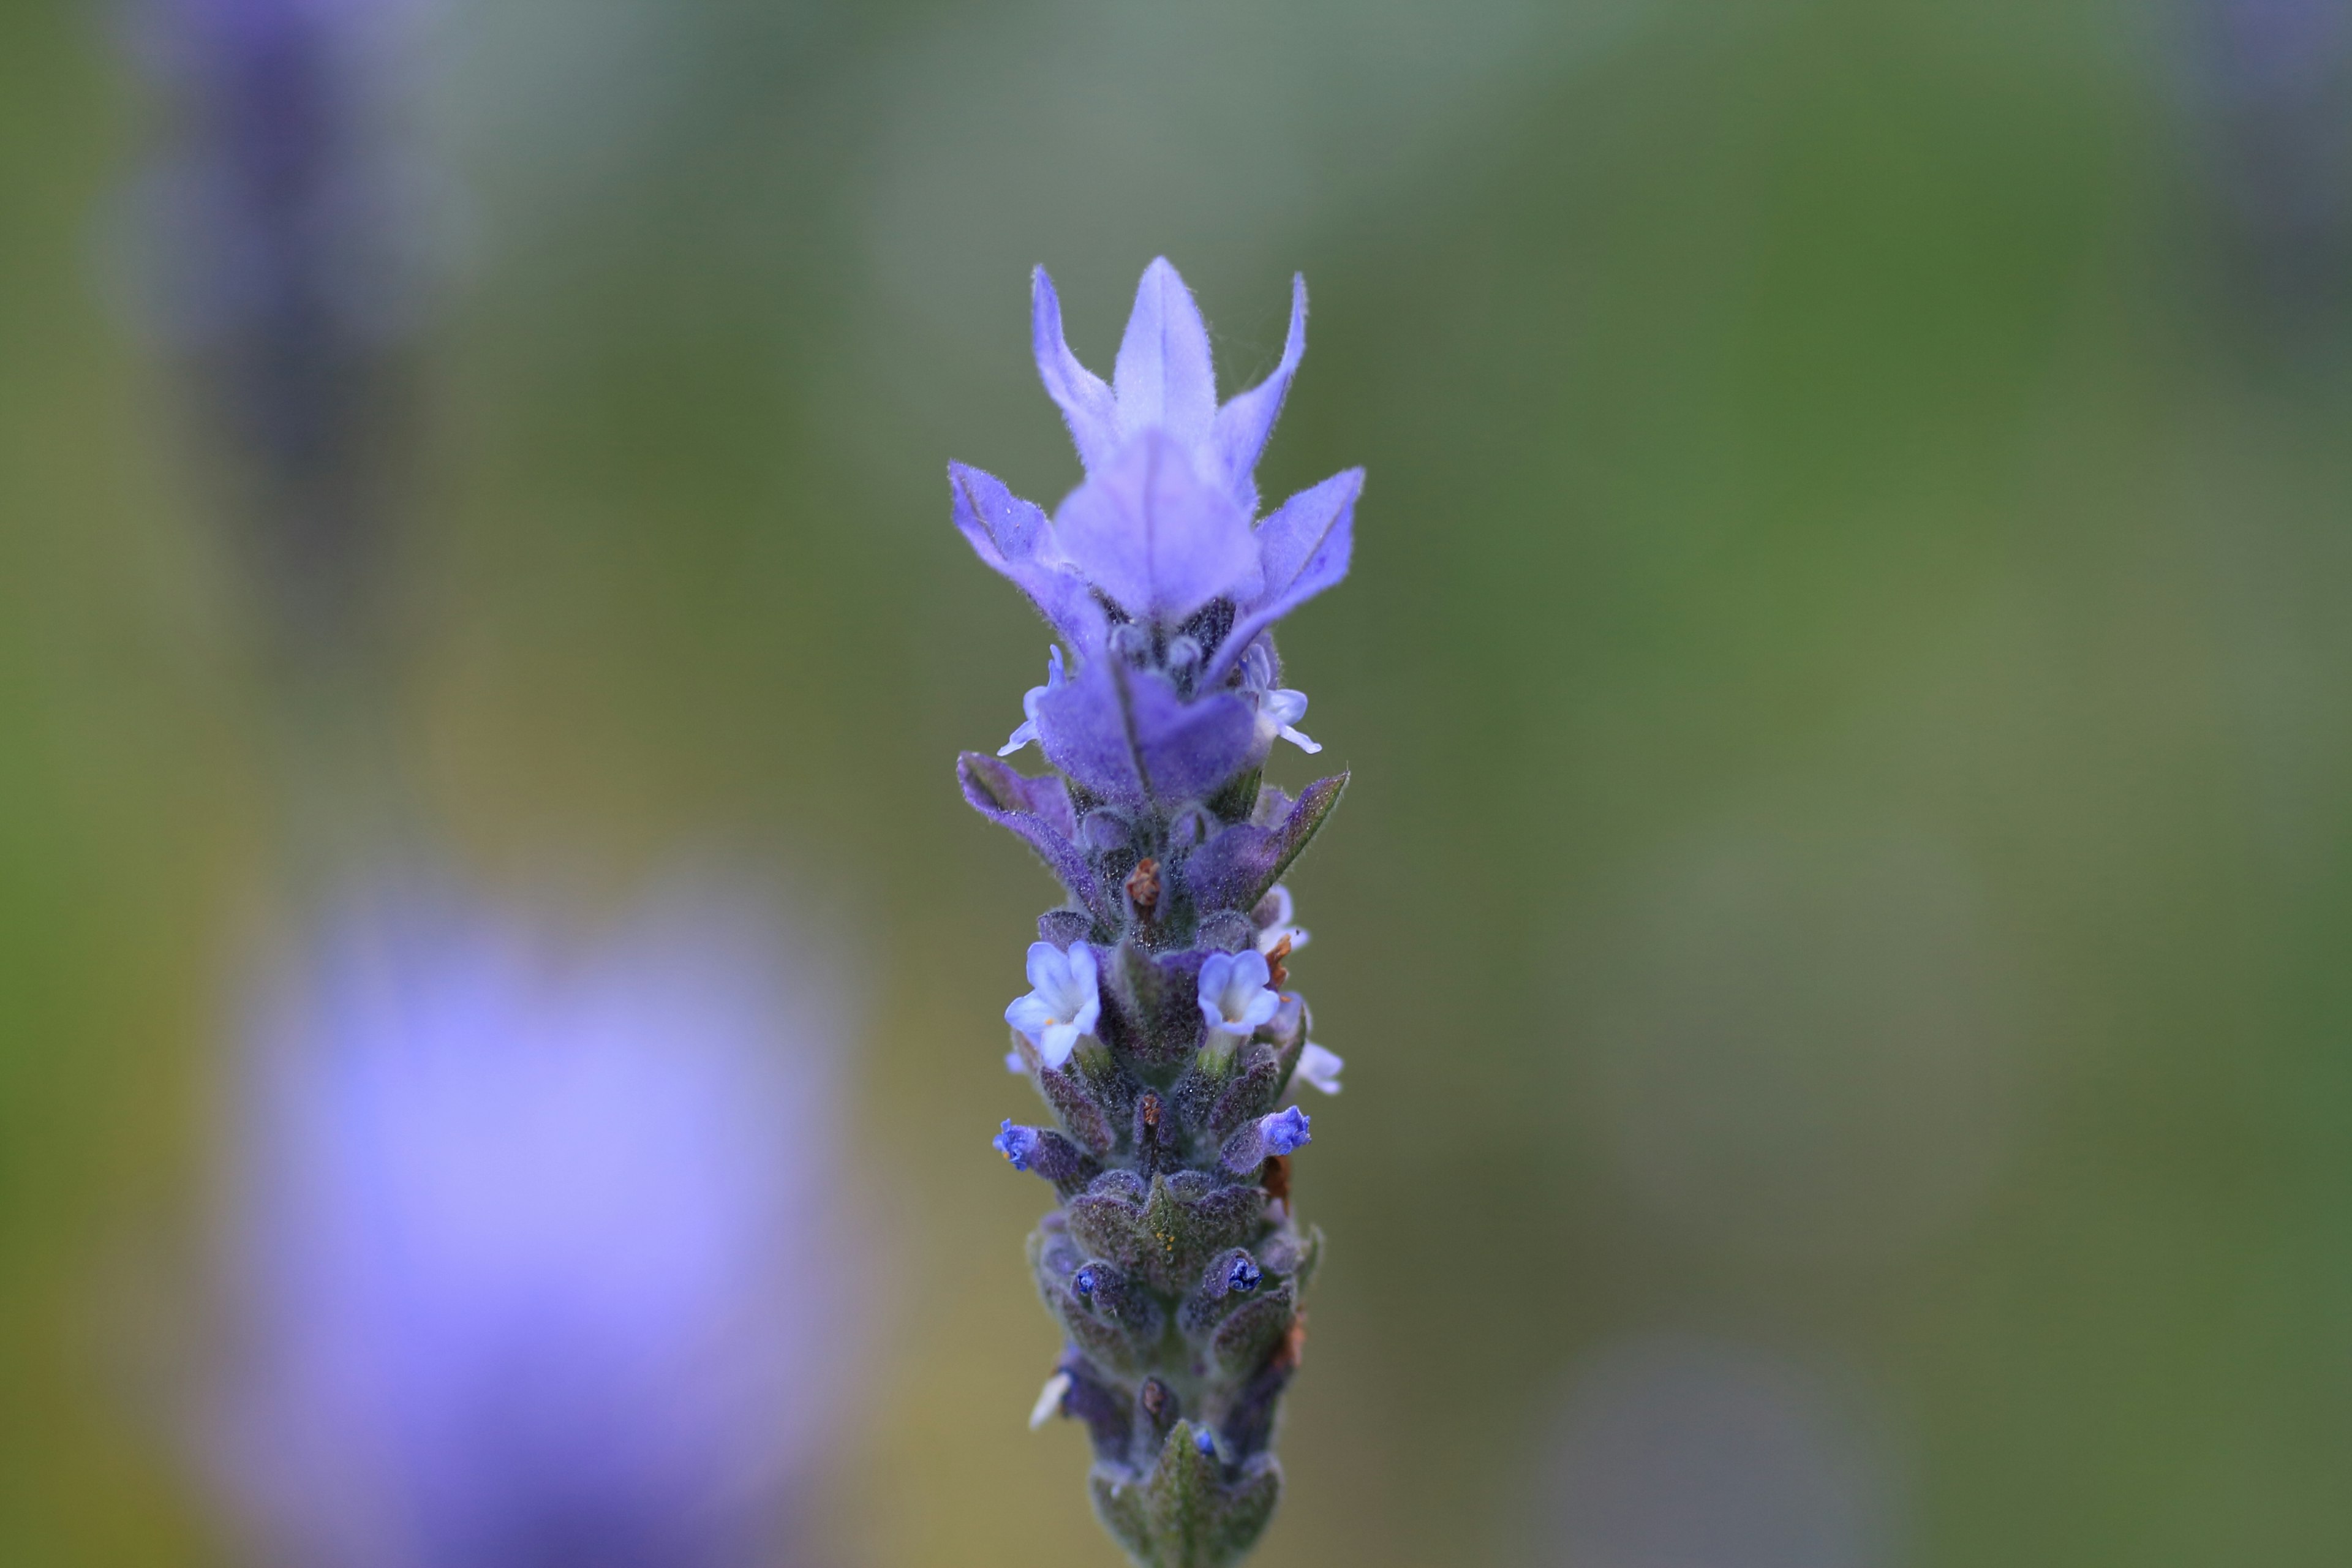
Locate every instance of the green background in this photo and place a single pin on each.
(1847, 674)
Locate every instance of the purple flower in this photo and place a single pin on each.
(1160, 536)
(1017, 1145)
(1162, 587)
(1063, 1000)
(1282, 1132)
(1285, 1131)
(1235, 997)
(542, 1251)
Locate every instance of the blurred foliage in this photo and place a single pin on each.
(1796, 429)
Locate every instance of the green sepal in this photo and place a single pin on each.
(1251, 1329)
(1188, 1513)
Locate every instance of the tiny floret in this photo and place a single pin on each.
(1285, 1131)
(1284, 709)
(1204, 1440)
(1063, 1002)
(1243, 1275)
(1018, 1144)
(1319, 1069)
(1027, 732)
(1235, 996)
(1083, 1282)
(1274, 918)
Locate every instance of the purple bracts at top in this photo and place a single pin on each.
(1159, 1029)
(1156, 572)
(538, 1254)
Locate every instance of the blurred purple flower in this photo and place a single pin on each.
(541, 1247)
(2274, 79)
(281, 244)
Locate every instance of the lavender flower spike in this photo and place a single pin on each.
(1159, 1029)
(539, 1251)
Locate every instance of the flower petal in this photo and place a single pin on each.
(1302, 549)
(1163, 376)
(1047, 968)
(1039, 811)
(1126, 736)
(1086, 402)
(1012, 537)
(1145, 530)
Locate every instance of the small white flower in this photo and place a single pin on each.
(1063, 1003)
(1320, 1067)
(1235, 995)
(1279, 709)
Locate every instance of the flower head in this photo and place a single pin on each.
(1063, 1002)
(1162, 537)
(1235, 997)
(525, 1238)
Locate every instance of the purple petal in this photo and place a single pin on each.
(1086, 403)
(1148, 533)
(1163, 375)
(1010, 535)
(1286, 1131)
(1232, 871)
(1018, 1144)
(1127, 736)
(1302, 549)
(1242, 425)
(1030, 1014)
(1039, 811)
